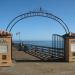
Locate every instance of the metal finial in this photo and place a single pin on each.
(40, 9)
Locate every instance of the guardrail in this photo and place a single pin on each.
(42, 52)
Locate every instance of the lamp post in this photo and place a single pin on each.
(18, 33)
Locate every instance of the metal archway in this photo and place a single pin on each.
(37, 13)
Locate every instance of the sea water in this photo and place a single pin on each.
(40, 43)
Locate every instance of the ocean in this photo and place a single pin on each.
(42, 43)
(39, 43)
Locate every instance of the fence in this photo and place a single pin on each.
(56, 52)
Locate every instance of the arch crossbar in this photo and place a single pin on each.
(37, 13)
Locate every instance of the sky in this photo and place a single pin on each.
(37, 28)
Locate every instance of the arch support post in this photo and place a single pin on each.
(69, 47)
(5, 49)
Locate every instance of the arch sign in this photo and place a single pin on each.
(40, 12)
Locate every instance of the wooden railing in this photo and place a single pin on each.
(42, 52)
